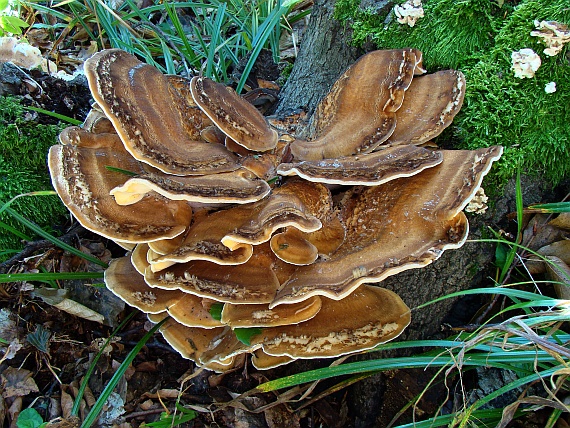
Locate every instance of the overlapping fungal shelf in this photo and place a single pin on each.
(179, 172)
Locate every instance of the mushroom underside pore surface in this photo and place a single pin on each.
(181, 173)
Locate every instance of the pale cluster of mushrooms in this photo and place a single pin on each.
(525, 62)
(553, 34)
(235, 227)
(409, 12)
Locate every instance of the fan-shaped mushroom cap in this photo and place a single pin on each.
(224, 347)
(293, 204)
(155, 264)
(203, 240)
(403, 224)
(262, 316)
(364, 319)
(129, 285)
(139, 258)
(236, 187)
(82, 180)
(431, 103)
(97, 123)
(154, 115)
(237, 118)
(263, 361)
(358, 114)
(366, 169)
(190, 342)
(263, 166)
(129, 246)
(251, 282)
(291, 247)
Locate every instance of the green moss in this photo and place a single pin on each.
(517, 113)
(452, 32)
(477, 37)
(23, 147)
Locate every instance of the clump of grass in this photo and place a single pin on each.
(477, 37)
(180, 37)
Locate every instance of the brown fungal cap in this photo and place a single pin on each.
(238, 187)
(263, 361)
(358, 114)
(403, 224)
(224, 348)
(284, 207)
(190, 342)
(261, 316)
(203, 240)
(157, 121)
(363, 320)
(251, 282)
(431, 103)
(291, 247)
(129, 285)
(82, 179)
(237, 118)
(365, 169)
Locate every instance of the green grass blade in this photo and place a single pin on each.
(91, 417)
(61, 117)
(37, 193)
(48, 11)
(48, 276)
(556, 207)
(490, 417)
(14, 231)
(38, 230)
(509, 292)
(265, 31)
(511, 360)
(188, 50)
(93, 365)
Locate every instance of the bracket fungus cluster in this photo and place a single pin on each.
(178, 172)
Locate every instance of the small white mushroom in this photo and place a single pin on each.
(550, 87)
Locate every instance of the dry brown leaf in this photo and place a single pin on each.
(279, 417)
(539, 233)
(18, 382)
(163, 393)
(15, 409)
(58, 298)
(72, 422)
(89, 397)
(66, 404)
(562, 221)
(559, 272)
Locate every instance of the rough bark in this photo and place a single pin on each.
(325, 52)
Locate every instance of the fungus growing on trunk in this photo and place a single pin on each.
(279, 270)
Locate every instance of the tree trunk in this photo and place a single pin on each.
(324, 54)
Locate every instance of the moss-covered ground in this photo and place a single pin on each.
(478, 37)
(23, 147)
